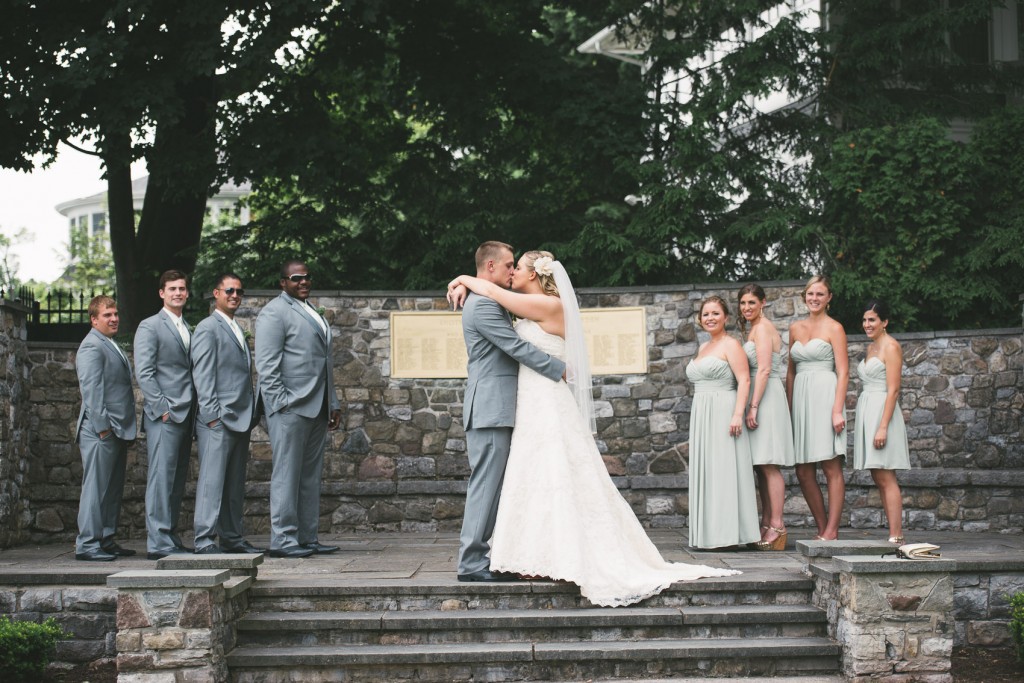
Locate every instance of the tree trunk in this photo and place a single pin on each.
(182, 171)
(117, 159)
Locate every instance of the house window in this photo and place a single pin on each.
(99, 223)
(971, 42)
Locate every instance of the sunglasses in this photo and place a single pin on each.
(231, 291)
(299, 277)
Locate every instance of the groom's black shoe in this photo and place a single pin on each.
(489, 576)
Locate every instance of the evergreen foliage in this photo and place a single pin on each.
(26, 648)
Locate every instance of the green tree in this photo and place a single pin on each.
(897, 209)
(142, 79)
(8, 261)
(430, 127)
(88, 263)
(739, 189)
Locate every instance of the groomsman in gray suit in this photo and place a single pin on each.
(164, 374)
(106, 424)
(489, 407)
(293, 359)
(227, 412)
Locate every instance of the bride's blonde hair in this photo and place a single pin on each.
(547, 282)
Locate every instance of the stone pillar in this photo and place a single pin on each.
(896, 618)
(172, 626)
(14, 422)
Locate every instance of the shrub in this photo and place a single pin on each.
(26, 648)
(1017, 622)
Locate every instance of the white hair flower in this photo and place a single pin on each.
(542, 266)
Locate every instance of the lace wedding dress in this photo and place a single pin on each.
(560, 516)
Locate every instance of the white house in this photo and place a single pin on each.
(91, 212)
(999, 39)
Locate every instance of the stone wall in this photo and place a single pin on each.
(14, 422)
(399, 462)
(88, 613)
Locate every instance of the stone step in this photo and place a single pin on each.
(502, 626)
(562, 661)
(337, 594)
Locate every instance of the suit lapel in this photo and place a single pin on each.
(105, 344)
(174, 331)
(225, 328)
(297, 307)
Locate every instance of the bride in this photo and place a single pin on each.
(560, 516)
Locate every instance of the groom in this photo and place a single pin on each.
(489, 408)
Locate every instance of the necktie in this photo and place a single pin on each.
(240, 337)
(186, 338)
(119, 352)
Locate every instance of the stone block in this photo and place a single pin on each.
(192, 578)
(197, 610)
(128, 662)
(163, 640)
(988, 634)
(87, 626)
(40, 600)
(89, 599)
(128, 641)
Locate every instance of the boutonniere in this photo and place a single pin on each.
(321, 310)
(247, 335)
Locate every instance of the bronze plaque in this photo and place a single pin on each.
(429, 345)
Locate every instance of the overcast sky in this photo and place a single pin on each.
(27, 201)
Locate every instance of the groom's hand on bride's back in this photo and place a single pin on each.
(457, 296)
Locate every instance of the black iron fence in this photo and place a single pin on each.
(63, 315)
(22, 295)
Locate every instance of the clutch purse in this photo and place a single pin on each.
(918, 551)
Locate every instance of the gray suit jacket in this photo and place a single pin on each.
(162, 369)
(220, 371)
(293, 359)
(105, 380)
(495, 353)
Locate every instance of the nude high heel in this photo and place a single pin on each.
(778, 543)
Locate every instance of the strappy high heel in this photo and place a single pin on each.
(896, 540)
(777, 543)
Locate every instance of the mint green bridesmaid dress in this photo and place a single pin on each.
(895, 455)
(814, 392)
(723, 507)
(772, 442)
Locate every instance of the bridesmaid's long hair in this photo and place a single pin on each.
(758, 291)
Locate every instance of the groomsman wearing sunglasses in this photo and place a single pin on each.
(293, 360)
(164, 374)
(227, 412)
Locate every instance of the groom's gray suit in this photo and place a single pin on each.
(489, 413)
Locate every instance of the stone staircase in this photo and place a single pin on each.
(319, 629)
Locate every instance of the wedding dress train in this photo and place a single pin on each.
(560, 516)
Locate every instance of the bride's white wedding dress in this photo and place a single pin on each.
(560, 515)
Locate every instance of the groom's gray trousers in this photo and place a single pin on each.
(488, 452)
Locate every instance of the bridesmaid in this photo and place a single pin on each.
(723, 512)
(880, 437)
(771, 431)
(819, 372)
